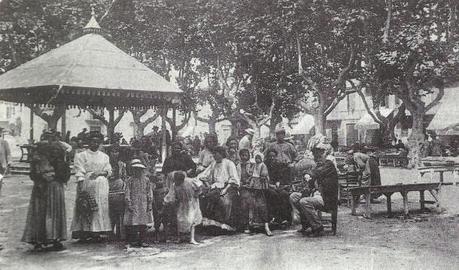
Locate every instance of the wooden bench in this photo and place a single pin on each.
(346, 182)
(25, 152)
(388, 190)
(438, 169)
(393, 160)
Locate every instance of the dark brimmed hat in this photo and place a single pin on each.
(220, 149)
(95, 135)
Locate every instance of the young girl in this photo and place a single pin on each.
(258, 214)
(138, 200)
(185, 192)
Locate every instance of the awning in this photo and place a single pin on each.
(367, 122)
(446, 120)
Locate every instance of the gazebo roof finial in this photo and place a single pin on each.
(92, 24)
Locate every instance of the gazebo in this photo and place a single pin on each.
(88, 72)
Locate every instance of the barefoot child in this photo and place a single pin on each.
(138, 198)
(258, 214)
(185, 192)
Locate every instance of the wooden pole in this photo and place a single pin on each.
(31, 125)
(163, 135)
(174, 119)
(64, 124)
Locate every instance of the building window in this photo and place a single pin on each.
(95, 128)
(10, 112)
(350, 103)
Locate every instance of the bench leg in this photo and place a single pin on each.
(422, 199)
(435, 194)
(389, 203)
(368, 205)
(405, 202)
(334, 217)
(354, 203)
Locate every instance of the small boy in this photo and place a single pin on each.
(185, 192)
(117, 193)
(138, 199)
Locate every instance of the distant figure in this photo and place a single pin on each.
(233, 151)
(206, 156)
(154, 134)
(83, 134)
(400, 146)
(436, 148)
(67, 137)
(5, 155)
(246, 141)
(196, 145)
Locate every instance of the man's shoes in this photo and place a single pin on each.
(57, 247)
(317, 232)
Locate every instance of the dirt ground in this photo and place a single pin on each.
(426, 240)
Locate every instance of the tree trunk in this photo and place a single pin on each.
(416, 138)
(212, 125)
(111, 124)
(319, 121)
(275, 119)
(140, 129)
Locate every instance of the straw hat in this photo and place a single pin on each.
(136, 163)
(250, 131)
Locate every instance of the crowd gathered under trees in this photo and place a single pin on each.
(261, 61)
(234, 186)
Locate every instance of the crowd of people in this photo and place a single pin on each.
(236, 186)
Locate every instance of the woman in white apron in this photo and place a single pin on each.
(92, 168)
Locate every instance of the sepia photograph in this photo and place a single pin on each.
(229, 134)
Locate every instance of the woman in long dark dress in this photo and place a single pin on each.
(46, 218)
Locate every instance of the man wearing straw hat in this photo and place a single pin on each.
(5, 156)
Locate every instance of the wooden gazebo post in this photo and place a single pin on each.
(31, 126)
(163, 133)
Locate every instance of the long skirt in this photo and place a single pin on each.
(375, 175)
(46, 220)
(279, 205)
(99, 221)
(223, 209)
(258, 209)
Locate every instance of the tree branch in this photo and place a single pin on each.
(385, 38)
(441, 93)
(107, 11)
(98, 116)
(367, 107)
(345, 70)
(120, 116)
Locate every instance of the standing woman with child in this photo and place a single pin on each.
(46, 218)
(92, 168)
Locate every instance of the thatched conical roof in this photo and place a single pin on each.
(88, 71)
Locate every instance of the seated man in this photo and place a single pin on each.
(323, 194)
